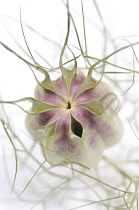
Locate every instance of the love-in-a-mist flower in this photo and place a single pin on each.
(75, 119)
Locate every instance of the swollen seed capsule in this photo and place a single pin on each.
(74, 123)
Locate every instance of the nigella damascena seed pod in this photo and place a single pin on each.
(74, 122)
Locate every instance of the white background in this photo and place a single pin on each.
(49, 18)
